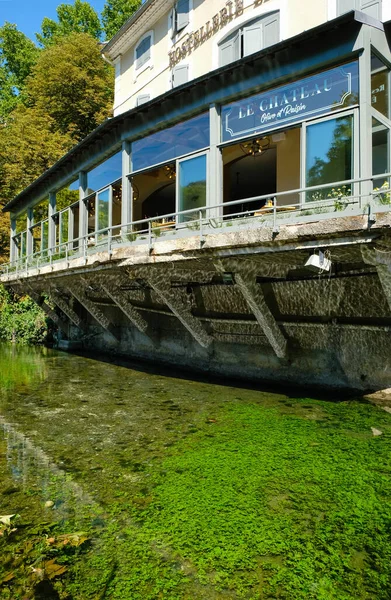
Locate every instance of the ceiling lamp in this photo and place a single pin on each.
(135, 191)
(255, 147)
(169, 171)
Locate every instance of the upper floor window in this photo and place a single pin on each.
(250, 38)
(371, 7)
(143, 51)
(181, 15)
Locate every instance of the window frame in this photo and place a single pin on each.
(180, 160)
(354, 112)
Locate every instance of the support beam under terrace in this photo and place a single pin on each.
(162, 286)
(381, 259)
(245, 279)
(384, 274)
(78, 291)
(120, 298)
(36, 297)
(66, 309)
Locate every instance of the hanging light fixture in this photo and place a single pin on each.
(135, 192)
(255, 147)
(169, 171)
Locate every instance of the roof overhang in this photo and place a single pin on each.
(321, 47)
(139, 23)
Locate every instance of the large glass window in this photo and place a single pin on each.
(105, 173)
(67, 195)
(192, 185)
(176, 141)
(329, 155)
(380, 86)
(40, 211)
(103, 210)
(381, 161)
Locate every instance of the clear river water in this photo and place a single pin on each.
(121, 481)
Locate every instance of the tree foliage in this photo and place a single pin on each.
(18, 52)
(72, 85)
(115, 13)
(29, 145)
(79, 17)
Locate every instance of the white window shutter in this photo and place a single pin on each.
(252, 38)
(372, 8)
(230, 49)
(182, 14)
(143, 52)
(143, 98)
(180, 75)
(344, 6)
(271, 29)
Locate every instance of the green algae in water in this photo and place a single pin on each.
(234, 494)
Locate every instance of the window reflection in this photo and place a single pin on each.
(154, 193)
(192, 186)
(381, 161)
(380, 85)
(103, 202)
(105, 173)
(329, 155)
(178, 140)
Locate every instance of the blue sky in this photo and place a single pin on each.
(28, 14)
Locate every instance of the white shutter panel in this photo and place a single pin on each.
(372, 8)
(229, 50)
(344, 6)
(143, 98)
(143, 52)
(182, 14)
(271, 29)
(252, 38)
(180, 75)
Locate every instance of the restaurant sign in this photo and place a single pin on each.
(309, 97)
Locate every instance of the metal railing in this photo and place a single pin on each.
(342, 198)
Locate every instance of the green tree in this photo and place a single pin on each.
(79, 17)
(29, 145)
(72, 85)
(19, 53)
(115, 13)
(8, 95)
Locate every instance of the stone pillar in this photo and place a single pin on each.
(52, 225)
(127, 195)
(215, 164)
